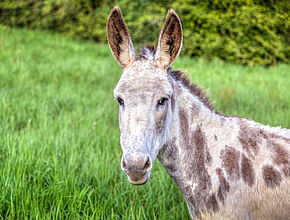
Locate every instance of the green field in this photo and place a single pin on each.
(59, 137)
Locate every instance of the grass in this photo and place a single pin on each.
(59, 137)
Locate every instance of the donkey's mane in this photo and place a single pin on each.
(148, 51)
(197, 91)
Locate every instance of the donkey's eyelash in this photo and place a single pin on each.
(120, 100)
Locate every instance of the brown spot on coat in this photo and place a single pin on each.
(198, 169)
(224, 186)
(286, 171)
(248, 174)
(199, 160)
(281, 158)
(271, 176)
(197, 152)
(249, 139)
(215, 137)
(184, 127)
(208, 157)
(230, 162)
(212, 204)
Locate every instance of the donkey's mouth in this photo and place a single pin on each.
(139, 183)
(138, 180)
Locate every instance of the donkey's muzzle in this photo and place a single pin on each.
(137, 167)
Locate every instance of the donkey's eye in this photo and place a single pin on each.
(121, 101)
(162, 101)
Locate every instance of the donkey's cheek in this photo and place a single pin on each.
(160, 121)
(120, 118)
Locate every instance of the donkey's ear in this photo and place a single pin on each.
(119, 39)
(170, 40)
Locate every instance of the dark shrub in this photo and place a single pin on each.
(242, 31)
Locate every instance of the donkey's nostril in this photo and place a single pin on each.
(147, 165)
(136, 163)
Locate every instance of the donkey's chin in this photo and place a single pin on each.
(140, 180)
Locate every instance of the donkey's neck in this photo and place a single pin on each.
(211, 156)
(188, 154)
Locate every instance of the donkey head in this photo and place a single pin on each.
(144, 93)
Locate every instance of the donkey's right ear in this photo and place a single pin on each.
(119, 39)
(170, 41)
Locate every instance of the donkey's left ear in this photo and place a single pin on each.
(170, 41)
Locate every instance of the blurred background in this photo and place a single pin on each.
(59, 137)
(242, 31)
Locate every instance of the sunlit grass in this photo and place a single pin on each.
(59, 136)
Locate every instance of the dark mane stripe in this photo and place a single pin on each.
(179, 75)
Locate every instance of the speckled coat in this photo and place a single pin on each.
(226, 167)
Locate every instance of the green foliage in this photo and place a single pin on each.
(242, 31)
(80, 18)
(59, 136)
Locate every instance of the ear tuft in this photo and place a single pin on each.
(119, 39)
(170, 40)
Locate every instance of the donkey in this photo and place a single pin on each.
(226, 167)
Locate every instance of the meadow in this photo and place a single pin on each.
(59, 137)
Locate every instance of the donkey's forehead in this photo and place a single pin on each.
(143, 66)
(144, 77)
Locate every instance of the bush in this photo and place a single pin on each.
(242, 31)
